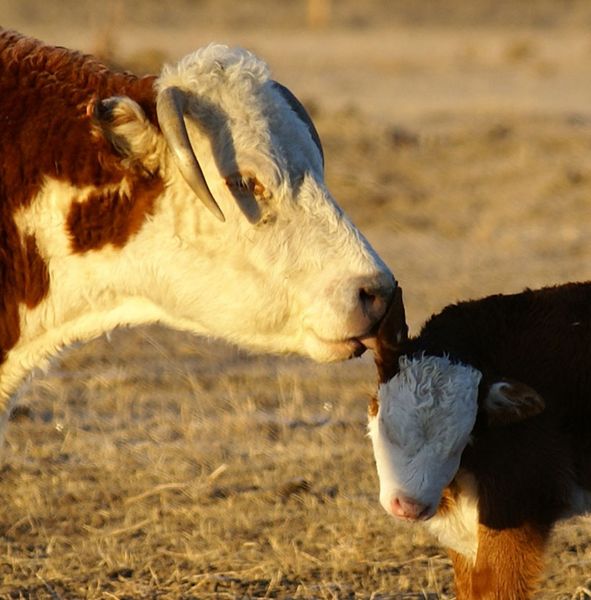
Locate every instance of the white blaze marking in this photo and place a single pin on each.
(425, 417)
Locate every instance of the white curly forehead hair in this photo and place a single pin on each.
(425, 417)
(205, 68)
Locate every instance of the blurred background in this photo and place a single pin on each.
(454, 130)
(457, 136)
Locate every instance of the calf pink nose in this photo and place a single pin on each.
(404, 507)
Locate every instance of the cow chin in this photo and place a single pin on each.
(325, 351)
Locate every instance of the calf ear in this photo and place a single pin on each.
(124, 125)
(509, 402)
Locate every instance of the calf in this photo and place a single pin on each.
(481, 428)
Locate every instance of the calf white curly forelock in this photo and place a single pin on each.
(430, 400)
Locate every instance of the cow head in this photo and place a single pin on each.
(246, 242)
(423, 416)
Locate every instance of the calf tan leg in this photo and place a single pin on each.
(508, 562)
(462, 575)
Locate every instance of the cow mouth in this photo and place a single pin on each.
(369, 340)
(358, 347)
(349, 348)
(352, 347)
(345, 348)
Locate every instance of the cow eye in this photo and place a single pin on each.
(252, 197)
(246, 184)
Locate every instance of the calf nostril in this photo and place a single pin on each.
(408, 508)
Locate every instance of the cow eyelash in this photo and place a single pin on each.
(247, 184)
(252, 196)
(242, 185)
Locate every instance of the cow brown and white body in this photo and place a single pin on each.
(195, 199)
(482, 430)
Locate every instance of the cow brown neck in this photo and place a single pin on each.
(46, 133)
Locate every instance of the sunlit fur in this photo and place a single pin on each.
(527, 462)
(295, 270)
(425, 417)
(289, 283)
(455, 524)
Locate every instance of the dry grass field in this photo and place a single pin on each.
(155, 465)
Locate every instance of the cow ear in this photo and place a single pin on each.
(124, 125)
(509, 402)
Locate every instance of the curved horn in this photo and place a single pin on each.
(301, 112)
(392, 335)
(170, 108)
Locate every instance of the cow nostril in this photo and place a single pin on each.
(373, 301)
(367, 297)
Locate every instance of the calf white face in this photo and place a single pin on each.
(287, 271)
(424, 421)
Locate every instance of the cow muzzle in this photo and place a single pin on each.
(374, 295)
(344, 318)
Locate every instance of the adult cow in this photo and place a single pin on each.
(195, 198)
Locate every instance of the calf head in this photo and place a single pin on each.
(423, 416)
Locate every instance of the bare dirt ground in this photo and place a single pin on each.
(156, 465)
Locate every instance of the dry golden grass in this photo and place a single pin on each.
(158, 465)
(155, 465)
(182, 469)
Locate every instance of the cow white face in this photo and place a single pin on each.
(210, 215)
(287, 271)
(425, 417)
